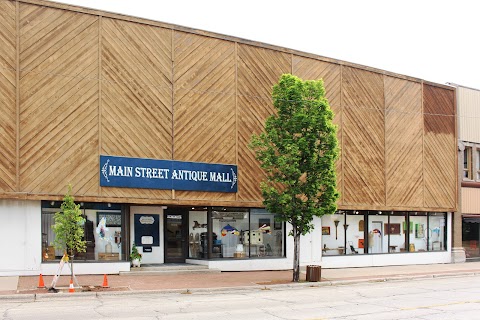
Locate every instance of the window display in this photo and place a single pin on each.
(355, 232)
(198, 227)
(418, 236)
(236, 233)
(265, 239)
(436, 231)
(373, 232)
(396, 232)
(333, 239)
(102, 232)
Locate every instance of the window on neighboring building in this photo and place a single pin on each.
(467, 163)
(478, 164)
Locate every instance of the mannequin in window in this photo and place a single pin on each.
(375, 241)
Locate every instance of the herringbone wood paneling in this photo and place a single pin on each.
(403, 142)
(440, 147)
(136, 96)
(258, 70)
(8, 112)
(58, 101)
(204, 104)
(363, 137)
(68, 117)
(310, 69)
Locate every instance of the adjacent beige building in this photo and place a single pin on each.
(467, 224)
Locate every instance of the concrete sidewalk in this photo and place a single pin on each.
(230, 280)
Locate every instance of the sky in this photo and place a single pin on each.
(434, 40)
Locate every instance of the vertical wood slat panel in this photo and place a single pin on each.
(136, 96)
(404, 142)
(440, 147)
(204, 104)
(258, 70)
(310, 69)
(363, 137)
(470, 203)
(58, 106)
(8, 156)
(469, 112)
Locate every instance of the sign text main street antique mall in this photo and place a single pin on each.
(126, 172)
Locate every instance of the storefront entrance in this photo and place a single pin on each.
(471, 236)
(175, 231)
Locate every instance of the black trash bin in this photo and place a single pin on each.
(314, 273)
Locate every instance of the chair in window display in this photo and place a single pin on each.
(352, 249)
(268, 250)
(216, 247)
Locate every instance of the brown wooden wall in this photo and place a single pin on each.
(77, 83)
(8, 125)
(439, 143)
(307, 68)
(403, 143)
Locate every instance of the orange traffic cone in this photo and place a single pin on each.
(71, 289)
(41, 284)
(105, 281)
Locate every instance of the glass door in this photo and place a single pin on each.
(175, 235)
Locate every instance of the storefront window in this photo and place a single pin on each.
(471, 236)
(360, 232)
(198, 244)
(377, 233)
(236, 233)
(355, 232)
(333, 234)
(418, 232)
(436, 231)
(396, 231)
(100, 246)
(266, 235)
(229, 226)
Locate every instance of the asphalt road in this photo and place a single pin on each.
(441, 298)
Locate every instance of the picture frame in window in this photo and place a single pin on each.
(325, 231)
(405, 227)
(113, 219)
(419, 230)
(392, 228)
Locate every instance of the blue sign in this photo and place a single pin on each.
(167, 174)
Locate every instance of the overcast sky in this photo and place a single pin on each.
(435, 40)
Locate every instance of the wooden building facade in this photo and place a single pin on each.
(77, 83)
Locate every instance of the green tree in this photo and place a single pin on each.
(69, 228)
(297, 151)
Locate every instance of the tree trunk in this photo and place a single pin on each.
(71, 266)
(296, 254)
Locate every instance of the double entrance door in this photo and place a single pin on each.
(176, 235)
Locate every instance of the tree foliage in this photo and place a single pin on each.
(297, 151)
(69, 226)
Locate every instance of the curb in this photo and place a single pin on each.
(32, 297)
